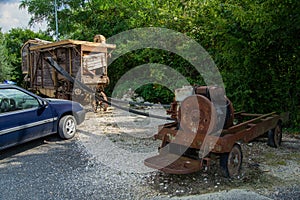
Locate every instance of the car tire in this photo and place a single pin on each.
(67, 127)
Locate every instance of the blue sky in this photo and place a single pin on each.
(13, 17)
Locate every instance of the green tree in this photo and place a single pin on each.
(15, 39)
(255, 43)
(5, 66)
(256, 46)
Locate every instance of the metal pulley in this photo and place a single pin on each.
(197, 114)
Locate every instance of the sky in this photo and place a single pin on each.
(13, 17)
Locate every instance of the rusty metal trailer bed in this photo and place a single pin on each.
(184, 150)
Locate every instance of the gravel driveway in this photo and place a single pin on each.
(51, 168)
(55, 169)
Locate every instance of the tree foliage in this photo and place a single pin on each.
(5, 66)
(255, 43)
(14, 40)
(256, 46)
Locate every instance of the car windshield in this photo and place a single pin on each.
(13, 93)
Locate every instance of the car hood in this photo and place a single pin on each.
(63, 102)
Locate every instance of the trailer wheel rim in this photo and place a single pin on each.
(104, 105)
(234, 161)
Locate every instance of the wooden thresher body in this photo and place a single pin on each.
(85, 61)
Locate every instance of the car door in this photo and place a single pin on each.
(23, 117)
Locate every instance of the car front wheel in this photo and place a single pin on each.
(67, 127)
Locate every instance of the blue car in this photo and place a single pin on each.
(25, 116)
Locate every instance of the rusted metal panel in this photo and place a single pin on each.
(245, 124)
(197, 114)
(174, 164)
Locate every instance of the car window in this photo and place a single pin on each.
(13, 99)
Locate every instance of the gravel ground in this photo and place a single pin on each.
(55, 169)
(105, 161)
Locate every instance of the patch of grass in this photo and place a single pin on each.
(295, 156)
(281, 162)
(253, 178)
(293, 131)
(274, 160)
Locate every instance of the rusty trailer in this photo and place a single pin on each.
(192, 141)
(83, 60)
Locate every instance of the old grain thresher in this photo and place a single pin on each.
(85, 61)
(207, 128)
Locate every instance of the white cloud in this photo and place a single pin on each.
(13, 17)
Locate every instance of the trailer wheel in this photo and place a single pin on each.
(99, 103)
(67, 127)
(275, 136)
(103, 104)
(231, 162)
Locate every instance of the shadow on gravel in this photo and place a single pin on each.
(11, 151)
(46, 168)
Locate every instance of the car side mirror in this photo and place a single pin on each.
(43, 103)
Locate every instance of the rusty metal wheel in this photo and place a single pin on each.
(197, 115)
(99, 103)
(231, 162)
(103, 104)
(275, 136)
